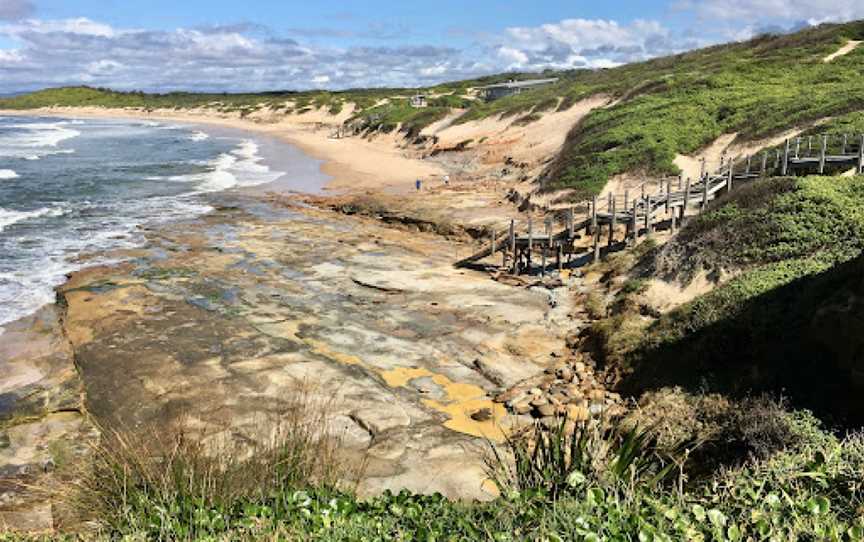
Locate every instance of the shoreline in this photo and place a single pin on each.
(353, 164)
(293, 180)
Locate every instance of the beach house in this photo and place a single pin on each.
(500, 90)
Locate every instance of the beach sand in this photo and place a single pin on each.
(354, 164)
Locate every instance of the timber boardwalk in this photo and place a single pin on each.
(669, 203)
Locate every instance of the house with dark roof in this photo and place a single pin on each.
(500, 90)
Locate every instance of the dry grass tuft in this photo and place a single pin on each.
(160, 480)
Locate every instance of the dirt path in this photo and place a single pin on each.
(850, 46)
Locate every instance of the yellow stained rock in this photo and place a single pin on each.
(462, 400)
(321, 348)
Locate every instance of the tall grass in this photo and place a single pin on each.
(175, 484)
(568, 458)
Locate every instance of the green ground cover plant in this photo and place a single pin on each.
(595, 485)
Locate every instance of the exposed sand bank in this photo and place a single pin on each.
(728, 145)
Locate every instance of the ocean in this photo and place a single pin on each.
(70, 188)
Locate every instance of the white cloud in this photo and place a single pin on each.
(592, 43)
(10, 56)
(514, 57)
(230, 58)
(81, 26)
(103, 67)
(812, 11)
(433, 71)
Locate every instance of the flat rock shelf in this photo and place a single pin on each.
(216, 322)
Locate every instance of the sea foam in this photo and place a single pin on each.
(35, 140)
(240, 167)
(6, 174)
(9, 217)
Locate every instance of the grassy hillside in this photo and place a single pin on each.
(664, 107)
(790, 319)
(679, 104)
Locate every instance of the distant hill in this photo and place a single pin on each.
(662, 107)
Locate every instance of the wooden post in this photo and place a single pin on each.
(747, 170)
(596, 244)
(649, 218)
(785, 159)
(668, 192)
(680, 182)
(571, 223)
(731, 177)
(593, 214)
(809, 145)
(513, 244)
(776, 161)
(634, 224)
(686, 199)
(613, 222)
(845, 142)
(673, 219)
(861, 157)
(530, 242)
(703, 169)
(705, 184)
(822, 155)
(609, 201)
(560, 257)
(548, 244)
(626, 204)
(764, 163)
(493, 243)
(797, 148)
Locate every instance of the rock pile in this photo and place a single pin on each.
(566, 390)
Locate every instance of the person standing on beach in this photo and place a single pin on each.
(418, 183)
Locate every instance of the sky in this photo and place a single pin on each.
(257, 45)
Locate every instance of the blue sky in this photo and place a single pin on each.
(269, 44)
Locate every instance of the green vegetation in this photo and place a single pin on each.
(778, 232)
(596, 484)
(399, 112)
(789, 251)
(679, 104)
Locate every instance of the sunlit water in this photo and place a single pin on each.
(70, 187)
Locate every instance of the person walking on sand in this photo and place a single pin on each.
(419, 184)
(446, 180)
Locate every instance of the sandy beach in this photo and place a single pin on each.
(354, 164)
